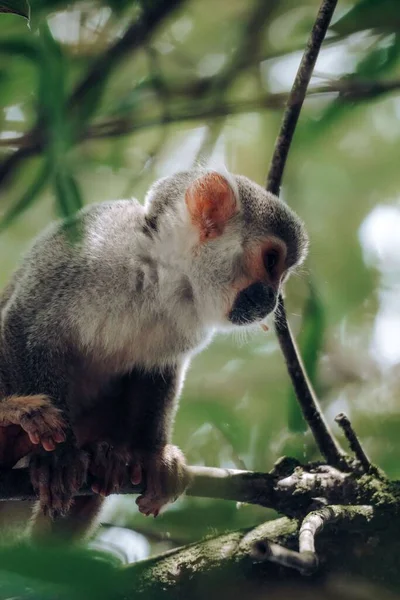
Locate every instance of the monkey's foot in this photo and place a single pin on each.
(166, 478)
(37, 416)
(108, 468)
(56, 477)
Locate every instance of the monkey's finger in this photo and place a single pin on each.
(43, 488)
(59, 503)
(59, 436)
(136, 474)
(76, 477)
(48, 444)
(34, 437)
(96, 488)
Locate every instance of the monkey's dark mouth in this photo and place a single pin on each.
(253, 304)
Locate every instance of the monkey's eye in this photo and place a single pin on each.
(271, 260)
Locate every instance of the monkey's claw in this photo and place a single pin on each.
(108, 468)
(56, 477)
(166, 478)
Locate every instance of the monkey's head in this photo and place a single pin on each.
(237, 244)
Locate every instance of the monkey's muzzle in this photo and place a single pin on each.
(253, 304)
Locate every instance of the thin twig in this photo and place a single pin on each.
(306, 563)
(137, 34)
(297, 95)
(108, 127)
(355, 445)
(326, 442)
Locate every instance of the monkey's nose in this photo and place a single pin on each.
(253, 304)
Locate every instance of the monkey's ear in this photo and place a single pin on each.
(211, 203)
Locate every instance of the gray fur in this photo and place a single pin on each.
(132, 293)
(119, 297)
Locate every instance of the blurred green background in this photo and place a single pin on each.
(209, 85)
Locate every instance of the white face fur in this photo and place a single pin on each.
(207, 252)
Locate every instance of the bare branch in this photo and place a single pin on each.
(297, 96)
(306, 563)
(343, 421)
(292, 492)
(326, 442)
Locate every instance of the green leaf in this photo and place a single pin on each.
(83, 111)
(381, 58)
(52, 100)
(134, 97)
(90, 573)
(310, 344)
(52, 92)
(69, 199)
(17, 7)
(383, 15)
(222, 418)
(21, 46)
(27, 198)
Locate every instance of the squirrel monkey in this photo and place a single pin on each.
(98, 328)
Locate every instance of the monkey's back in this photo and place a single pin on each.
(54, 280)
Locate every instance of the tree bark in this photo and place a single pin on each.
(223, 566)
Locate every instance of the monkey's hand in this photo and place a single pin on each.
(108, 468)
(37, 416)
(166, 478)
(56, 477)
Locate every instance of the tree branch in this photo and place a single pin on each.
(355, 445)
(108, 127)
(224, 566)
(133, 39)
(326, 442)
(306, 560)
(290, 488)
(297, 96)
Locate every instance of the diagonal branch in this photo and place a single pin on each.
(355, 445)
(133, 39)
(326, 442)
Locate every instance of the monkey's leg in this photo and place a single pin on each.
(102, 431)
(37, 416)
(133, 439)
(77, 526)
(148, 400)
(56, 476)
(162, 466)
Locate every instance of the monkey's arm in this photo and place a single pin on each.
(36, 415)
